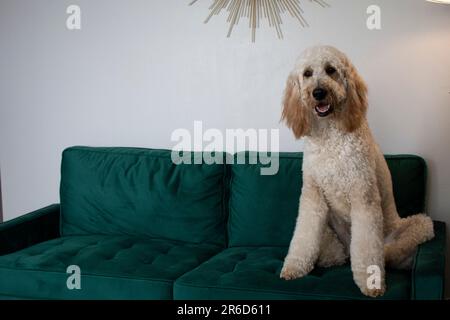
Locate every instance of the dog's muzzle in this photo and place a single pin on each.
(324, 110)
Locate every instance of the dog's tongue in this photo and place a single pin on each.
(323, 108)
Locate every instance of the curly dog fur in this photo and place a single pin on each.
(347, 205)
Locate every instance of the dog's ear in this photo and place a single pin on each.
(294, 113)
(356, 105)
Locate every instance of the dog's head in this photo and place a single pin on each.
(324, 85)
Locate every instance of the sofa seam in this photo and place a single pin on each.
(180, 283)
(89, 275)
(126, 153)
(413, 274)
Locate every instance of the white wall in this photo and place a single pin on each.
(140, 69)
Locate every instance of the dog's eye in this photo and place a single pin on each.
(308, 74)
(330, 70)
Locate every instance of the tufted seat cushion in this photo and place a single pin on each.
(112, 267)
(253, 273)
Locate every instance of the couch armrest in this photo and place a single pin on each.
(29, 229)
(429, 267)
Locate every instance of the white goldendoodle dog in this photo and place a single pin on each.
(347, 204)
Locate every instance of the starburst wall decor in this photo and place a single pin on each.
(255, 10)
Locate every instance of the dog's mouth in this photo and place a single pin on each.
(323, 109)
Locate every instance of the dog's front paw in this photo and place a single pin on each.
(373, 293)
(294, 269)
(370, 289)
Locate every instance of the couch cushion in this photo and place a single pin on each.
(141, 192)
(112, 267)
(409, 177)
(263, 209)
(253, 273)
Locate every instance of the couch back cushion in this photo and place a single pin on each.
(263, 209)
(141, 192)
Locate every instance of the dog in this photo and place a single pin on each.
(347, 206)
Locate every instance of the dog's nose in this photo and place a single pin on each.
(319, 94)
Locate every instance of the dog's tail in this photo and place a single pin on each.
(402, 243)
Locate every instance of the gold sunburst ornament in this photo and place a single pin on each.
(255, 10)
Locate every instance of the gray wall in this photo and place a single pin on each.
(140, 69)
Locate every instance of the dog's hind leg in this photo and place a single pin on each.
(332, 251)
(401, 244)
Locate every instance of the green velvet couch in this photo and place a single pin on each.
(140, 227)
